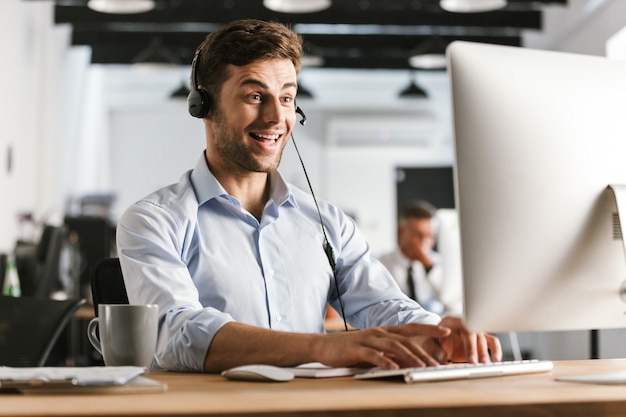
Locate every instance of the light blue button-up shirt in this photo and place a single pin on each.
(193, 250)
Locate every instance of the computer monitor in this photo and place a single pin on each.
(539, 136)
(449, 248)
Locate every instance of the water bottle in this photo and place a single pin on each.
(11, 280)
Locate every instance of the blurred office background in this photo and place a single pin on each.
(83, 134)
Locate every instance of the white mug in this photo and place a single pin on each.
(128, 334)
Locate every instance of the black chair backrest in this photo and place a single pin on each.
(27, 266)
(3, 268)
(107, 283)
(48, 255)
(95, 239)
(30, 327)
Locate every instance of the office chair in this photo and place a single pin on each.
(30, 327)
(48, 255)
(26, 264)
(107, 283)
(3, 268)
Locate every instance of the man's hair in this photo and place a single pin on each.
(240, 43)
(419, 209)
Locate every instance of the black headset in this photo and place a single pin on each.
(199, 101)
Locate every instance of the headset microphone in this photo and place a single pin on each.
(301, 113)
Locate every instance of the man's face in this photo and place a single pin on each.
(254, 116)
(416, 236)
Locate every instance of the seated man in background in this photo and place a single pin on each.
(414, 263)
(236, 258)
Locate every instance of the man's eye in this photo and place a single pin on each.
(256, 97)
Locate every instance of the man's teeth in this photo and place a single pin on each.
(271, 137)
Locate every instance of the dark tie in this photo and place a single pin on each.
(411, 284)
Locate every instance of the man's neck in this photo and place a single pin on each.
(253, 194)
(251, 189)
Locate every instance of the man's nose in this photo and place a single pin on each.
(273, 111)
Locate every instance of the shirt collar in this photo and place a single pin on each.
(207, 187)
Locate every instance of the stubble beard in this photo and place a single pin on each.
(234, 152)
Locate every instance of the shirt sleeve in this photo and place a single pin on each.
(151, 243)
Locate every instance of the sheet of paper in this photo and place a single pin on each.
(611, 378)
(90, 375)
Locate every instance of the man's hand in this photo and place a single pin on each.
(423, 254)
(410, 345)
(461, 345)
(388, 347)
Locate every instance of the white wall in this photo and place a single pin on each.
(583, 27)
(33, 55)
(151, 148)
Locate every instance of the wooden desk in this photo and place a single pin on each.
(85, 312)
(211, 395)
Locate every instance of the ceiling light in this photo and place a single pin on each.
(471, 6)
(312, 61)
(297, 6)
(428, 61)
(413, 91)
(430, 54)
(121, 6)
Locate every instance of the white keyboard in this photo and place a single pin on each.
(459, 371)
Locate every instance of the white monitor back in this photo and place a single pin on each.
(449, 248)
(538, 137)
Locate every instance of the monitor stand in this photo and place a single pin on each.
(619, 192)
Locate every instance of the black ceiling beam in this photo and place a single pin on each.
(193, 39)
(350, 34)
(215, 13)
(370, 53)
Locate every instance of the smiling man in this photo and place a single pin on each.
(235, 256)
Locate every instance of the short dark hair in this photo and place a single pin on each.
(240, 43)
(419, 209)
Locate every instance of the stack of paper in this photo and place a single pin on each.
(78, 379)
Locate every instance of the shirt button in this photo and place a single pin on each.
(279, 317)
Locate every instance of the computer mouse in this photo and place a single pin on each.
(265, 373)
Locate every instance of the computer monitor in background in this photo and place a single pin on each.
(38, 264)
(95, 239)
(539, 136)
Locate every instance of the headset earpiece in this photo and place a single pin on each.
(198, 100)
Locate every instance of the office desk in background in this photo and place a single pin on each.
(212, 395)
